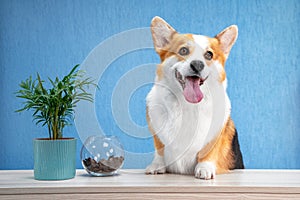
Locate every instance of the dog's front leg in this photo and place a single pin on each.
(206, 167)
(217, 157)
(205, 170)
(157, 166)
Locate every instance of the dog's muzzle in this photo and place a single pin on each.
(191, 86)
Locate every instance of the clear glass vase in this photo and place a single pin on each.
(102, 155)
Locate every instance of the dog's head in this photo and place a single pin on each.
(188, 59)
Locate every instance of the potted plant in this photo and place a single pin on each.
(55, 156)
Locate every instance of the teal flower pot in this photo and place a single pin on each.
(54, 159)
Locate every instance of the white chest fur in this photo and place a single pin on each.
(181, 126)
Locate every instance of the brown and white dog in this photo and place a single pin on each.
(181, 104)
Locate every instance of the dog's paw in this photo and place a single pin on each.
(156, 168)
(205, 170)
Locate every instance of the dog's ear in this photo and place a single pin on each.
(162, 33)
(227, 38)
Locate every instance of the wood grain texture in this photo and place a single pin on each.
(134, 184)
(149, 196)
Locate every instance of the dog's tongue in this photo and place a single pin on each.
(191, 91)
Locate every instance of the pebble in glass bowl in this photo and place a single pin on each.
(102, 155)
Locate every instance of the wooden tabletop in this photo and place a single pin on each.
(134, 184)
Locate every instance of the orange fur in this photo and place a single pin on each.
(226, 39)
(159, 71)
(177, 41)
(219, 151)
(218, 55)
(159, 146)
(222, 75)
(154, 24)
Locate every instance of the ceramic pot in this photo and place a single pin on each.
(54, 159)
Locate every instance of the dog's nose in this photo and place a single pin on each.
(197, 65)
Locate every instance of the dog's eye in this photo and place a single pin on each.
(208, 55)
(184, 51)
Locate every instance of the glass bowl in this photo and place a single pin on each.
(102, 155)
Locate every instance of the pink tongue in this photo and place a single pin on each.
(191, 91)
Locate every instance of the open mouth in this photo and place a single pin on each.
(191, 86)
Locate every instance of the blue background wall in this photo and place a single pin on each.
(50, 37)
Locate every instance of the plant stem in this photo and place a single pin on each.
(49, 130)
(56, 123)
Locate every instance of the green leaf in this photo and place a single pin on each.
(54, 107)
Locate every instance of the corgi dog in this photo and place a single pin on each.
(188, 109)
